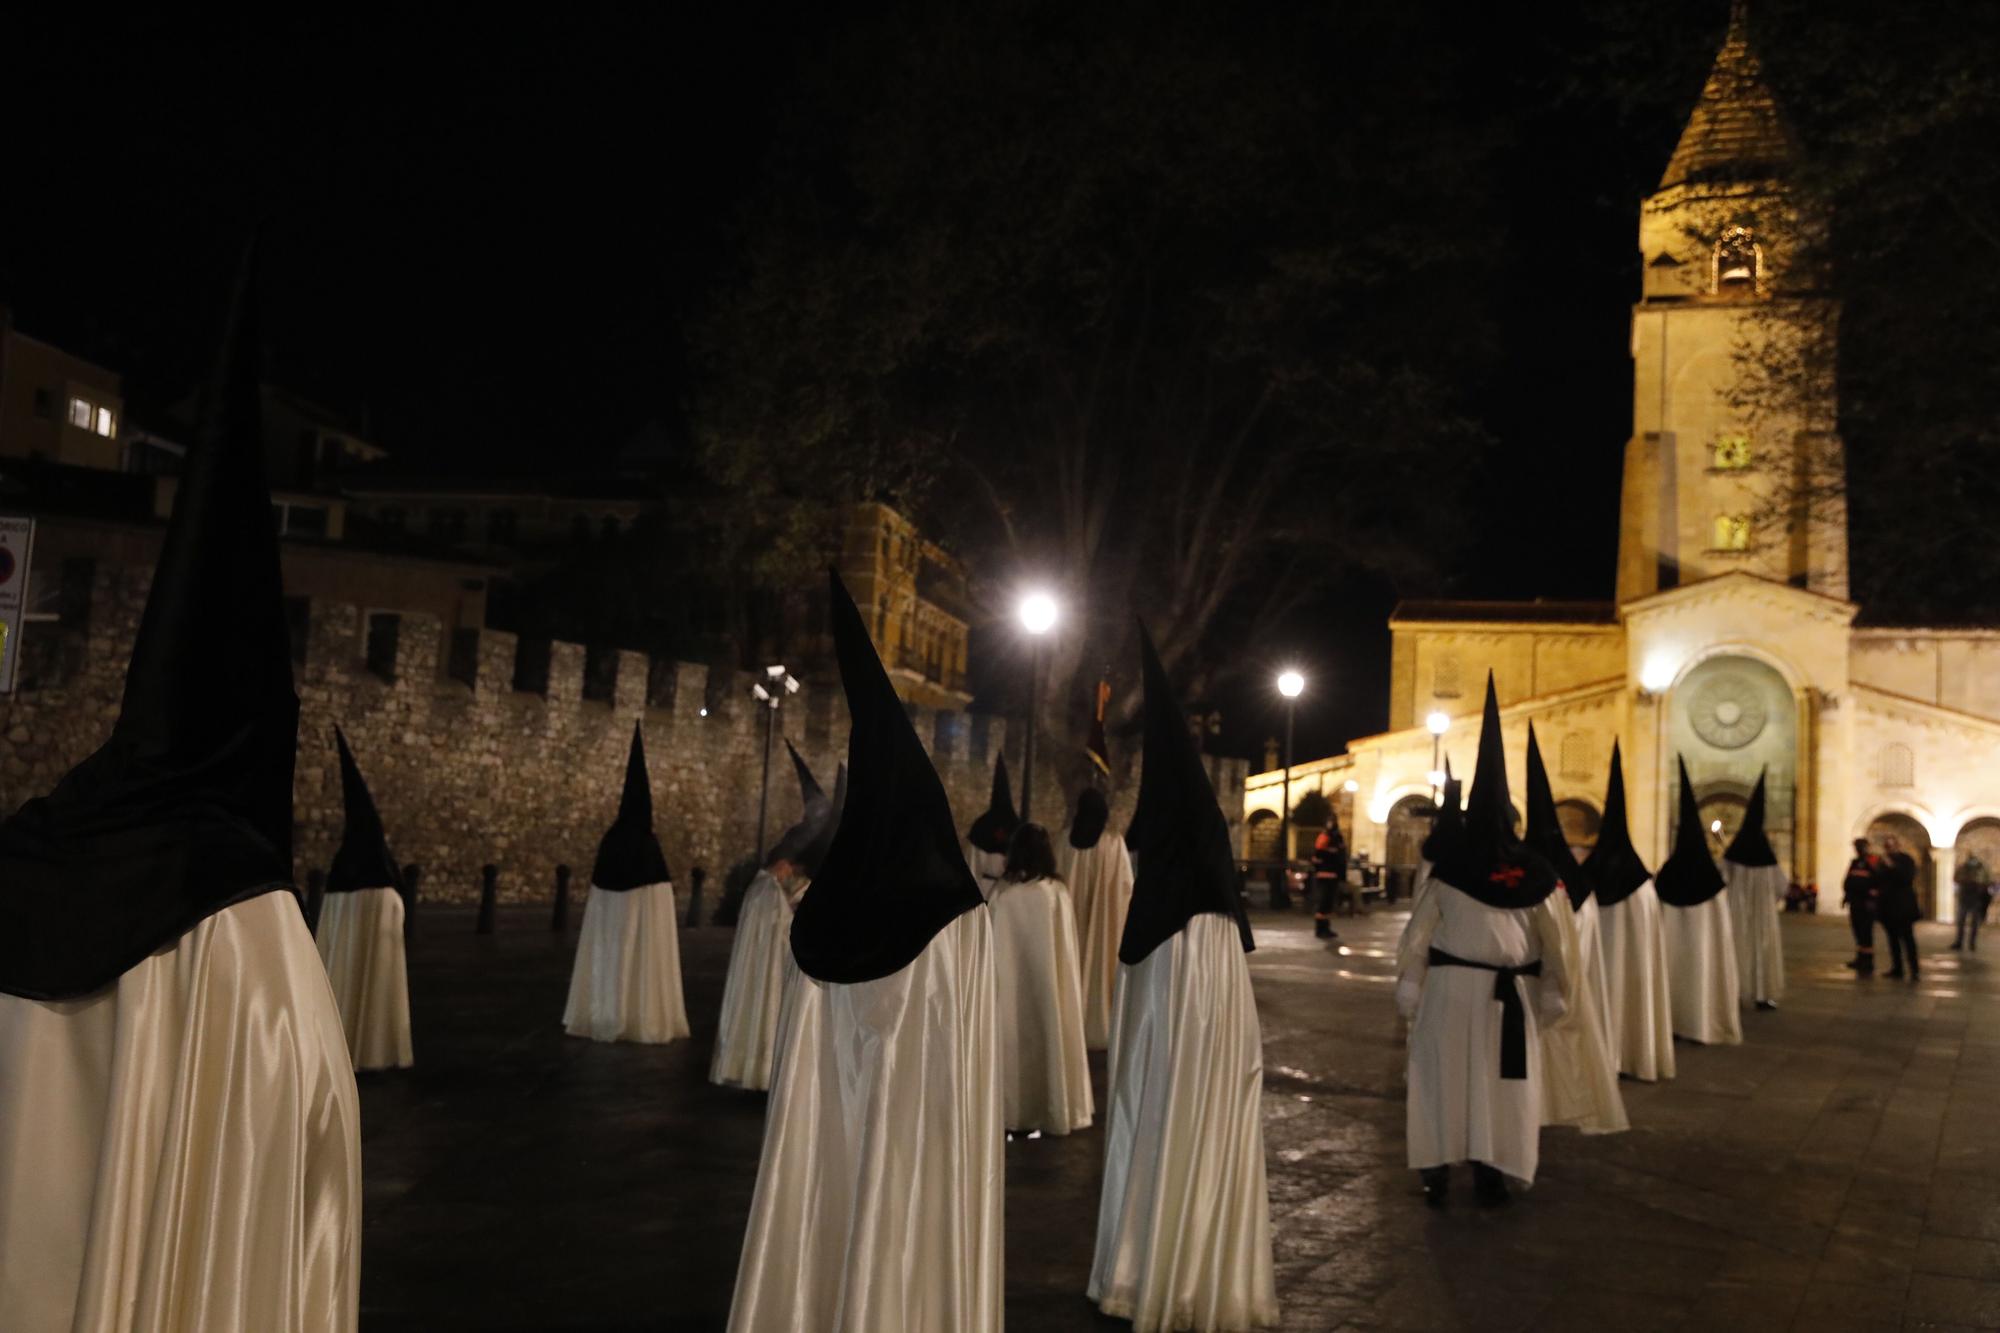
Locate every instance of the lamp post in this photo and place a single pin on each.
(1437, 724)
(1291, 685)
(1037, 611)
(770, 692)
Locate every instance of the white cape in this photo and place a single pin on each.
(1044, 1070)
(180, 1152)
(755, 987)
(1636, 992)
(626, 985)
(1701, 971)
(879, 1191)
(1579, 1063)
(1459, 1108)
(1100, 884)
(1756, 896)
(1184, 1222)
(361, 942)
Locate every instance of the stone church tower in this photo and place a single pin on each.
(1732, 417)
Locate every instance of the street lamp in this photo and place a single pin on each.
(1437, 723)
(1291, 685)
(1037, 612)
(771, 692)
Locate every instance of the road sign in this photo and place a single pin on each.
(17, 548)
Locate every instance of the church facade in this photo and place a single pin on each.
(1732, 640)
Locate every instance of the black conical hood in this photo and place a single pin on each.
(187, 808)
(629, 856)
(815, 826)
(363, 861)
(1186, 864)
(996, 824)
(895, 875)
(809, 788)
(1751, 847)
(1544, 830)
(1688, 877)
(1487, 860)
(1449, 822)
(1093, 812)
(1613, 865)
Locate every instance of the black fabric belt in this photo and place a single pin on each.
(1513, 1014)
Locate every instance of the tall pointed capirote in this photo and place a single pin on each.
(363, 860)
(815, 827)
(996, 824)
(809, 788)
(1613, 865)
(1751, 846)
(187, 808)
(1449, 822)
(1544, 830)
(1186, 865)
(1487, 860)
(629, 855)
(1086, 826)
(895, 875)
(1689, 876)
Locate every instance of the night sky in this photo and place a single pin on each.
(488, 240)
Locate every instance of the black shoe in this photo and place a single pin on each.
(1324, 931)
(1894, 974)
(1767, 1004)
(1437, 1184)
(1856, 963)
(1488, 1185)
(1956, 945)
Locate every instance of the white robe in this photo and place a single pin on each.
(360, 940)
(1100, 885)
(880, 1186)
(626, 984)
(1459, 1109)
(180, 1152)
(1044, 1070)
(755, 987)
(1756, 896)
(1579, 1063)
(1184, 1220)
(1637, 993)
(1701, 971)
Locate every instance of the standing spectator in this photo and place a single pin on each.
(1896, 905)
(1974, 882)
(1858, 895)
(1330, 869)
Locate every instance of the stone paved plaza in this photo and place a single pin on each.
(1839, 1171)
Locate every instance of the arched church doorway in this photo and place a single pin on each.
(1732, 718)
(1580, 823)
(1981, 837)
(1261, 838)
(1410, 821)
(1918, 844)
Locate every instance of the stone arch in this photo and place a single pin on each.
(1580, 822)
(1914, 834)
(1261, 836)
(1408, 824)
(1981, 835)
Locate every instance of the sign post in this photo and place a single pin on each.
(17, 548)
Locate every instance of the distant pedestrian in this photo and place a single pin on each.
(1974, 882)
(1896, 906)
(1330, 872)
(1858, 892)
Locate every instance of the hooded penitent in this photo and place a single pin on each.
(995, 826)
(1544, 832)
(629, 857)
(1751, 847)
(363, 860)
(187, 809)
(1688, 877)
(1486, 860)
(1186, 865)
(1092, 813)
(797, 842)
(1613, 865)
(894, 875)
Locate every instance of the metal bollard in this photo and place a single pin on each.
(560, 921)
(315, 899)
(696, 878)
(413, 874)
(489, 893)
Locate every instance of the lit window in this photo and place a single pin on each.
(1732, 532)
(104, 422)
(1736, 259)
(1732, 451)
(79, 413)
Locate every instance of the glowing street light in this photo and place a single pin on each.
(1657, 676)
(1291, 684)
(1438, 723)
(770, 692)
(1037, 612)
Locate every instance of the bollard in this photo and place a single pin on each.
(696, 878)
(560, 921)
(412, 875)
(315, 899)
(489, 893)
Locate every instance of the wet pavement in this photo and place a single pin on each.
(1839, 1171)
